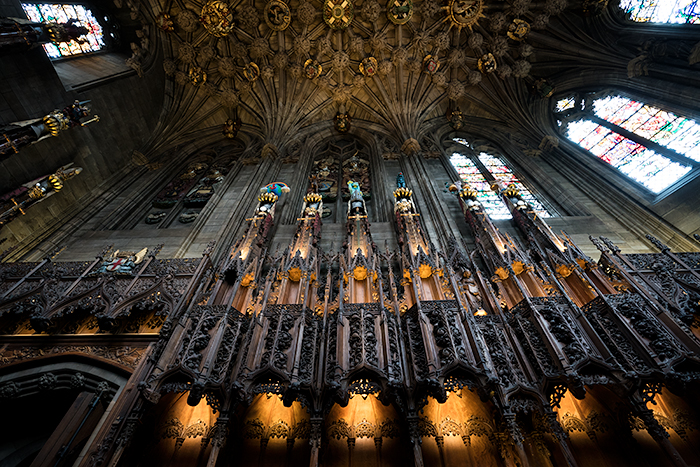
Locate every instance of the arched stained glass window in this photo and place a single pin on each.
(662, 11)
(63, 13)
(652, 146)
(472, 169)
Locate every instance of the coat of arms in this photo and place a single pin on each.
(277, 15)
(122, 262)
(338, 14)
(399, 11)
(368, 66)
(431, 64)
(312, 69)
(251, 72)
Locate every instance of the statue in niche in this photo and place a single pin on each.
(17, 135)
(188, 217)
(155, 217)
(180, 187)
(20, 35)
(198, 195)
(122, 262)
(323, 179)
(356, 169)
(16, 202)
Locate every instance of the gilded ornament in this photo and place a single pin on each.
(399, 11)
(511, 191)
(341, 121)
(197, 76)
(251, 72)
(519, 267)
(359, 273)
(294, 274)
(487, 63)
(277, 15)
(248, 280)
(502, 273)
(217, 18)
(518, 29)
(338, 14)
(368, 66)
(35, 192)
(431, 64)
(164, 22)
(312, 69)
(465, 13)
(425, 271)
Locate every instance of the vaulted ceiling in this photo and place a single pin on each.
(287, 69)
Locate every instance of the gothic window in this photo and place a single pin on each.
(662, 11)
(79, 15)
(654, 147)
(338, 163)
(472, 167)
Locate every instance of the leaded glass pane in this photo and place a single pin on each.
(654, 171)
(665, 128)
(469, 173)
(565, 104)
(501, 171)
(662, 11)
(57, 13)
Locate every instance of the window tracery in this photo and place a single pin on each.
(662, 11)
(654, 147)
(340, 162)
(472, 168)
(79, 16)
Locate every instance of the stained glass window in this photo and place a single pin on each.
(655, 169)
(501, 171)
(662, 11)
(58, 13)
(470, 173)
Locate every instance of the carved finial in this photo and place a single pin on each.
(210, 247)
(657, 243)
(610, 244)
(598, 244)
(105, 251)
(57, 251)
(156, 250)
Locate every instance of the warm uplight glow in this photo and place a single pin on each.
(480, 312)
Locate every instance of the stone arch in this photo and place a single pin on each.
(364, 432)
(268, 432)
(461, 429)
(71, 395)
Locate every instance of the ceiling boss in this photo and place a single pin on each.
(465, 13)
(217, 18)
(399, 11)
(338, 14)
(277, 15)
